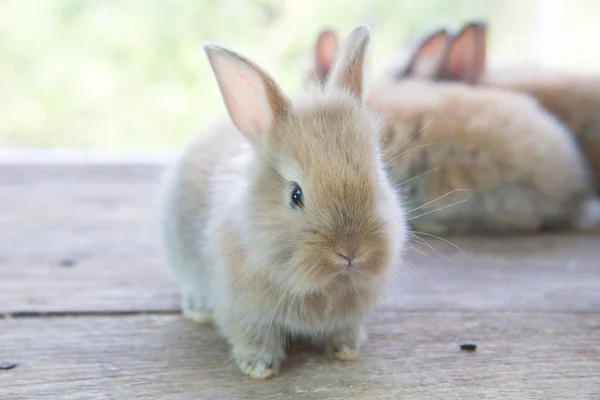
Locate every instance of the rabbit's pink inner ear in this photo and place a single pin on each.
(480, 52)
(465, 59)
(428, 58)
(253, 100)
(325, 50)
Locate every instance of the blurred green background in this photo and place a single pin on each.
(131, 74)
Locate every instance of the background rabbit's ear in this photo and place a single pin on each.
(325, 51)
(253, 99)
(348, 70)
(466, 57)
(429, 56)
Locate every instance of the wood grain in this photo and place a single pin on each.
(105, 228)
(409, 356)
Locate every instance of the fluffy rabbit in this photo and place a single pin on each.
(574, 99)
(423, 61)
(516, 164)
(283, 222)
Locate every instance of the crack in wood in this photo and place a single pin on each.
(60, 314)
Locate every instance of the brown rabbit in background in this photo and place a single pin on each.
(282, 221)
(445, 142)
(572, 98)
(426, 60)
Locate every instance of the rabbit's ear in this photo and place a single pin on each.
(347, 72)
(325, 50)
(466, 56)
(253, 99)
(429, 56)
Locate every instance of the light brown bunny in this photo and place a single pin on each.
(480, 160)
(572, 98)
(283, 221)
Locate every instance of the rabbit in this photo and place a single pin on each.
(430, 55)
(573, 99)
(281, 222)
(425, 60)
(491, 161)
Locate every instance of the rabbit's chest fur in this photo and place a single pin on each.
(240, 289)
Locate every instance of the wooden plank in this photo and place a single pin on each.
(103, 219)
(545, 272)
(81, 238)
(410, 355)
(81, 247)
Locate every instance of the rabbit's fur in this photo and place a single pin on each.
(517, 166)
(263, 264)
(574, 99)
(449, 143)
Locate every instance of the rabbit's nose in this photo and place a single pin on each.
(345, 257)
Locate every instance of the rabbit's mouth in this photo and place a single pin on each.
(346, 262)
(348, 269)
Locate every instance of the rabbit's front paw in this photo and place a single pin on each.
(193, 307)
(342, 352)
(344, 344)
(199, 317)
(260, 365)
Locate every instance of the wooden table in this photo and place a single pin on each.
(90, 311)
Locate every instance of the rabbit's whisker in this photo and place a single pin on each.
(437, 209)
(442, 239)
(436, 251)
(417, 176)
(283, 295)
(415, 135)
(398, 157)
(436, 199)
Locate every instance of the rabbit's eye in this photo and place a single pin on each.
(297, 198)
